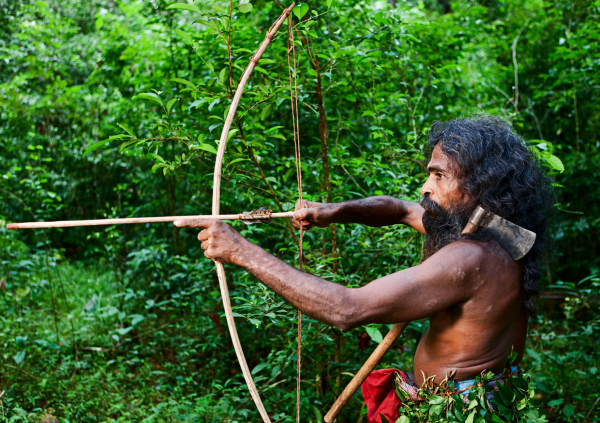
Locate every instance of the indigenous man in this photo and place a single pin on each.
(477, 298)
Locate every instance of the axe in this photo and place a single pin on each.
(515, 240)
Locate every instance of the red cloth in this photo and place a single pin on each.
(379, 393)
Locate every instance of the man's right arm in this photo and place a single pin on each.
(373, 211)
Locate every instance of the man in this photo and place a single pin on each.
(477, 298)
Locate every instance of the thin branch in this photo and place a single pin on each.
(21, 370)
(514, 56)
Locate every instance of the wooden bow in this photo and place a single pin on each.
(216, 203)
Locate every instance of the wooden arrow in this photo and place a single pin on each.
(247, 216)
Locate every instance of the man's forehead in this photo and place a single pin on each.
(439, 161)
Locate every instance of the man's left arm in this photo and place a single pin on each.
(407, 295)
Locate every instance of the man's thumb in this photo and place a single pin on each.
(304, 214)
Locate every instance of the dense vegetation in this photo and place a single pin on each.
(124, 323)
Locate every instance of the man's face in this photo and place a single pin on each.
(442, 185)
(446, 206)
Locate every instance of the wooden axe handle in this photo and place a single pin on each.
(364, 371)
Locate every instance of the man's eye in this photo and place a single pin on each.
(439, 175)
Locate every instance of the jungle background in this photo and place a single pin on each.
(125, 323)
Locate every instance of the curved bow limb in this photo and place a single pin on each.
(216, 207)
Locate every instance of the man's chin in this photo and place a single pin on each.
(443, 228)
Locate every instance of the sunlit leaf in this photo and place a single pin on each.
(148, 96)
(184, 35)
(374, 333)
(300, 10)
(555, 163)
(170, 104)
(184, 81)
(184, 6)
(245, 8)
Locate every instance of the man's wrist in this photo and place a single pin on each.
(340, 212)
(246, 253)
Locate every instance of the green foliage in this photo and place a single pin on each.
(511, 402)
(115, 110)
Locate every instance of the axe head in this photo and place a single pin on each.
(517, 241)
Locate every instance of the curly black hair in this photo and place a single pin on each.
(497, 169)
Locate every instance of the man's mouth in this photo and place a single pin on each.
(431, 206)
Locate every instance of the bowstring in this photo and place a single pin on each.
(296, 130)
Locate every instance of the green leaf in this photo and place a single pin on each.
(266, 111)
(259, 368)
(435, 399)
(569, 410)
(471, 417)
(231, 133)
(184, 81)
(556, 402)
(127, 129)
(127, 144)
(403, 419)
(101, 143)
(219, 8)
(124, 331)
(157, 157)
(496, 419)
(300, 10)
(245, 8)
(555, 163)
(222, 75)
(136, 318)
(184, 35)
(148, 96)
(237, 161)
(208, 147)
(95, 146)
(184, 6)
(506, 394)
(374, 333)
(328, 3)
(19, 357)
(276, 136)
(275, 128)
(383, 419)
(170, 104)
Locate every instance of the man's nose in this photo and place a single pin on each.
(426, 188)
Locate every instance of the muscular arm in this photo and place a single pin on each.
(443, 280)
(373, 211)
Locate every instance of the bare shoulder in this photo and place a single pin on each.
(468, 259)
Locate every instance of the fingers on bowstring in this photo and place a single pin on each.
(299, 206)
(306, 215)
(195, 223)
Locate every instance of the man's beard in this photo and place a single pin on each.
(443, 226)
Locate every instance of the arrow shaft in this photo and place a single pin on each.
(131, 220)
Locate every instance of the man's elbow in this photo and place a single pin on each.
(347, 315)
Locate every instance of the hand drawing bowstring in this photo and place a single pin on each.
(217, 197)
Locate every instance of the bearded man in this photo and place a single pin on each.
(477, 298)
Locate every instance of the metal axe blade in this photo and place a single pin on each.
(517, 241)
